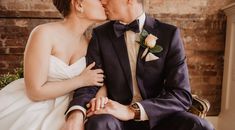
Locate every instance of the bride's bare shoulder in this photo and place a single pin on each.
(47, 29)
(45, 32)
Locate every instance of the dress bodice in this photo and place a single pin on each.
(59, 70)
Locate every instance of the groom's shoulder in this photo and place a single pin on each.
(166, 30)
(163, 26)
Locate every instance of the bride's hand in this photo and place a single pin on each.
(96, 104)
(92, 77)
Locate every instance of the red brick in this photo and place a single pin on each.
(14, 42)
(18, 50)
(14, 65)
(5, 71)
(210, 73)
(3, 65)
(11, 58)
(2, 50)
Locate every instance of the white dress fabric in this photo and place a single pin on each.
(18, 112)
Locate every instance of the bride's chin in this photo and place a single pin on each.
(101, 19)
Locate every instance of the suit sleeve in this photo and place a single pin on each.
(83, 95)
(176, 95)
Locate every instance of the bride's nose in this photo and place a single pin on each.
(103, 2)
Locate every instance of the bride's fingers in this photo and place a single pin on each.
(99, 71)
(100, 76)
(92, 103)
(106, 100)
(100, 79)
(102, 102)
(97, 105)
(99, 84)
(89, 67)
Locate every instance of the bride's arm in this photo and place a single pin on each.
(36, 65)
(102, 92)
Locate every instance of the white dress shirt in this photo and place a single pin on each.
(133, 49)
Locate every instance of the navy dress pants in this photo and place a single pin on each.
(178, 121)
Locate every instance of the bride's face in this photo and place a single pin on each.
(94, 10)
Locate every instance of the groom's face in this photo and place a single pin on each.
(115, 9)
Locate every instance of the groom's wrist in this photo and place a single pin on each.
(136, 110)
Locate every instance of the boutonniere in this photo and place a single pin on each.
(148, 41)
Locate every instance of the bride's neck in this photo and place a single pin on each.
(76, 25)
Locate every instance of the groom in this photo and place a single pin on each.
(146, 74)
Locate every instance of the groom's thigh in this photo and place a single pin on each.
(183, 121)
(136, 125)
(103, 122)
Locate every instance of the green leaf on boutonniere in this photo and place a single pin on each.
(142, 38)
(156, 49)
(143, 35)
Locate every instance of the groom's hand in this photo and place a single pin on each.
(74, 121)
(116, 109)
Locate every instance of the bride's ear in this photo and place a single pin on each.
(77, 4)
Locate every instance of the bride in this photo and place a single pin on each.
(54, 65)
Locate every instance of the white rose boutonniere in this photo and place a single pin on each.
(148, 41)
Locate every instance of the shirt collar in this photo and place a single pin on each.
(141, 19)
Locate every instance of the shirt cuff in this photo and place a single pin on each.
(76, 108)
(143, 114)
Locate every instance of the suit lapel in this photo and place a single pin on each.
(149, 27)
(121, 50)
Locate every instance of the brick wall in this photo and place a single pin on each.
(201, 22)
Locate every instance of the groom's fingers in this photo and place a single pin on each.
(90, 114)
(101, 111)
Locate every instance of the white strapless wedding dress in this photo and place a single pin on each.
(18, 112)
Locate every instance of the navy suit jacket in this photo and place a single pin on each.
(163, 83)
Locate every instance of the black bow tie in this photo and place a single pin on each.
(120, 28)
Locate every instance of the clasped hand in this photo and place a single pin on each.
(103, 105)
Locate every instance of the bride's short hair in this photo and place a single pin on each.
(63, 6)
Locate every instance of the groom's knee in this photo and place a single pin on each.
(206, 125)
(197, 122)
(102, 122)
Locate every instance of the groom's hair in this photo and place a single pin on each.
(63, 6)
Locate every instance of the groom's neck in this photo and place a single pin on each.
(133, 13)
